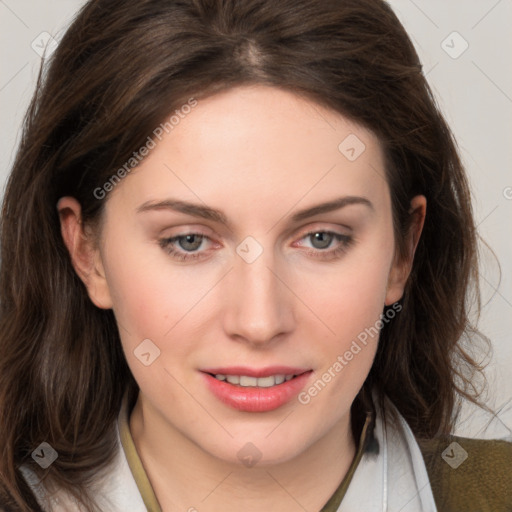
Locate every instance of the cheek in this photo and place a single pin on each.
(155, 299)
(138, 303)
(151, 305)
(351, 296)
(149, 298)
(344, 359)
(349, 302)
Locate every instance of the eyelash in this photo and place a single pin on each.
(167, 245)
(345, 241)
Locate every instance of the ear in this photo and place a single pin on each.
(401, 268)
(85, 256)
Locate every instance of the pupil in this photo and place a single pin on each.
(190, 242)
(321, 240)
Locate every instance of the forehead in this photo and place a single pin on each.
(256, 147)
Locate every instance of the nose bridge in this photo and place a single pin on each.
(259, 307)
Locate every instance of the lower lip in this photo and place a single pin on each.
(255, 399)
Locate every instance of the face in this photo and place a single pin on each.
(254, 242)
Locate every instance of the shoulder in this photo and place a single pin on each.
(469, 474)
(113, 488)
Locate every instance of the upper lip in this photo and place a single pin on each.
(256, 372)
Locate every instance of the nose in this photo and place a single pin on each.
(259, 307)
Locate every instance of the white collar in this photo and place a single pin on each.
(395, 479)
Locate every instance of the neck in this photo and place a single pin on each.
(186, 477)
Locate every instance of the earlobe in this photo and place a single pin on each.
(85, 257)
(402, 266)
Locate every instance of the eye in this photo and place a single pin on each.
(190, 242)
(326, 245)
(187, 246)
(318, 244)
(321, 239)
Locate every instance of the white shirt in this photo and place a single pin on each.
(393, 480)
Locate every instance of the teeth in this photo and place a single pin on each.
(261, 382)
(233, 379)
(248, 381)
(265, 382)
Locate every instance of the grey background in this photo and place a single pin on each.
(473, 88)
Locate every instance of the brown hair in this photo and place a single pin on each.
(120, 68)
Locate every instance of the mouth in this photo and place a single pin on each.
(245, 381)
(256, 390)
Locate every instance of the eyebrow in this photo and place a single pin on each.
(204, 212)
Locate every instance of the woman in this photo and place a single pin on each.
(237, 250)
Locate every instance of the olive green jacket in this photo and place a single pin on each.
(481, 483)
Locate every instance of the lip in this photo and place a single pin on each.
(255, 399)
(256, 372)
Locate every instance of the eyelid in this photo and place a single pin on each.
(168, 245)
(324, 227)
(341, 237)
(332, 254)
(342, 243)
(187, 229)
(174, 238)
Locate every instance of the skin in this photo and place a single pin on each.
(259, 155)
